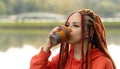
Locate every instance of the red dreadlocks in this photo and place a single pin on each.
(96, 37)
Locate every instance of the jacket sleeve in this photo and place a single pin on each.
(40, 61)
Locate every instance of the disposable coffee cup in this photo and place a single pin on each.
(60, 36)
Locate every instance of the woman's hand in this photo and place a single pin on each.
(49, 45)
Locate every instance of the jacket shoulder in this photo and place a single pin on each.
(102, 62)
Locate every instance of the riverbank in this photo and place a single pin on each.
(18, 34)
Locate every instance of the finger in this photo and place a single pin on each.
(54, 32)
(59, 28)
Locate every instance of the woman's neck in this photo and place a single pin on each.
(77, 49)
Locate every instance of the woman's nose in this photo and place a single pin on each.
(70, 29)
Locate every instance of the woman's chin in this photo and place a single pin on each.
(69, 41)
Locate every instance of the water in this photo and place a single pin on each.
(19, 58)
(114, 51)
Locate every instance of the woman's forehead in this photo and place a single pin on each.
(76, 17)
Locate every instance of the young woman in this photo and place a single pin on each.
(86, 48)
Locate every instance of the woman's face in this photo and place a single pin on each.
(74, 23)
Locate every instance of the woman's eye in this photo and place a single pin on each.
(76, 25)
(67, 25)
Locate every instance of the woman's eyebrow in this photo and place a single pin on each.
(73, 22)
(76, 22)
(67, 22)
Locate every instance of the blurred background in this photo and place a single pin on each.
(25, 24)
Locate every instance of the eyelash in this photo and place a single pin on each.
(76, 25)
(66, 25)
(73, 25)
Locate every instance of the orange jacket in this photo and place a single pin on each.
(99, 61)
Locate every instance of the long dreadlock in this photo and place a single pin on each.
(96, 37)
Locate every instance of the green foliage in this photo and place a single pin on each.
(102, 7)
(106, 9)
(3, 9)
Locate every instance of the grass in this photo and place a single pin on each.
(30, 24)
(112, 31)
(111, 23)
(27, 28)
(25, 32)
(44, 28)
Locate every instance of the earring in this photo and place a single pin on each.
(86, 36)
